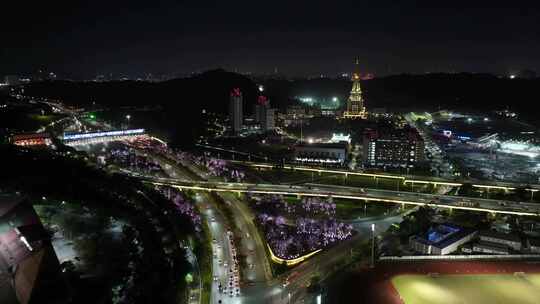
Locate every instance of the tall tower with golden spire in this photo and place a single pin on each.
(355, 103)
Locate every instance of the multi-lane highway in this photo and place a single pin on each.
(225, 284)
(249, 283)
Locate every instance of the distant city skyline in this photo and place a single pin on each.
(149, 76)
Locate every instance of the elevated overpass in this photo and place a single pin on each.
(367, 195)
(404, 179)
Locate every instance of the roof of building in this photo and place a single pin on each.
(406, 133)
(534, 242)
(339, 145)
(442, 236)
(29, 269)
(500, 236)
(30, 136)
(491, 245)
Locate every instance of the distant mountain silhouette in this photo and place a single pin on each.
(209, 90)
(182, 99)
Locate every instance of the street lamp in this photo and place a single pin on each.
(372, 245)
(128, 117)
(289, 296)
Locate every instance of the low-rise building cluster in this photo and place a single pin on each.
(444, 239)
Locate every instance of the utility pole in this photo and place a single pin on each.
(301, 131)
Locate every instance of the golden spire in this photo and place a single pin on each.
(355, 103)
(356, 71)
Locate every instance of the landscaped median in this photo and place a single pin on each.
(296, 231)
(291, 262)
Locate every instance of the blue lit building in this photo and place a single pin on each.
(441, 240)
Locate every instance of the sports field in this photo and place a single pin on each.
(473, 288)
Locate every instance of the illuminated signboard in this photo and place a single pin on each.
(103, 134)
(336, 138)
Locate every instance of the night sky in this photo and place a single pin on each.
(83, 38)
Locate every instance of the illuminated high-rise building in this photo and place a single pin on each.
(355, 103)
(393, 148)
(235, 111)
(264, 114)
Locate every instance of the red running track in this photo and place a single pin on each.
(374, 285)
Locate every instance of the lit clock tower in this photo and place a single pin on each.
(355, 103)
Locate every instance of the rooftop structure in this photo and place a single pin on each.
(509, 240)
(490, 248)
(321, 153)
(29, 268)
(340, 137)
(534, 245)
(441, 240)
(31, 139)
